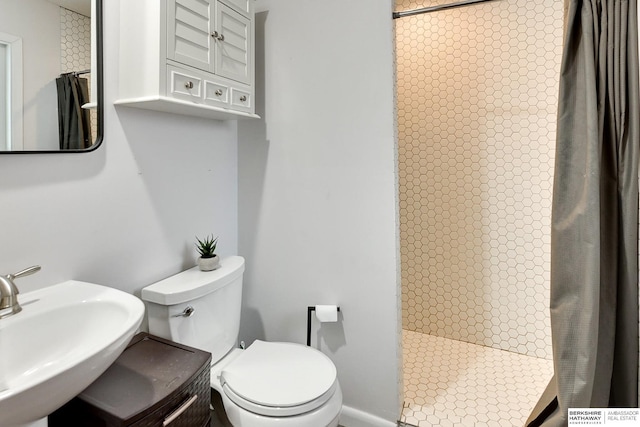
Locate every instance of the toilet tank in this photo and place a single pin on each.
(197, 308)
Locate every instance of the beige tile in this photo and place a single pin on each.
(469, 385)
(476, 101)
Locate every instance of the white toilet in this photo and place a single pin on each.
(269, 383)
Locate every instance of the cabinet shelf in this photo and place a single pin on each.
(177, 106)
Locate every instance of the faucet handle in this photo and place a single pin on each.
(27, 271)
(9, 291)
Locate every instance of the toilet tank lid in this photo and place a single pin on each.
(193, 283)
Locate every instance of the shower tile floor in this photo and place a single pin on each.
(454, 383)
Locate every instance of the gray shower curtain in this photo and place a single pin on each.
(594, 237)
(74, 123)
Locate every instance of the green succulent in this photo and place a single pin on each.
(207, 246)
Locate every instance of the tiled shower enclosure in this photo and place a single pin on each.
(477, 100)
(477, 96)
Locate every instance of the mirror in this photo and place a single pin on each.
(50, 76)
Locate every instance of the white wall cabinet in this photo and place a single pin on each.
(192, 57)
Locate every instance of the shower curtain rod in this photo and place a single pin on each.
(429, 9)
(77, 73)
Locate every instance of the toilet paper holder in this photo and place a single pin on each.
(309, 310)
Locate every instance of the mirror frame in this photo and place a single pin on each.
(99, 80)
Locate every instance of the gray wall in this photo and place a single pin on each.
(317, 191)
(126, 214)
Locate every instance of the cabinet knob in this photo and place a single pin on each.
(188, 85)
(219, 92)
(216, 35)
(243, 98)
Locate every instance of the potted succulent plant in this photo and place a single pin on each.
(208, 259)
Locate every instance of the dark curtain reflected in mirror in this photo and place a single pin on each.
(74, 122)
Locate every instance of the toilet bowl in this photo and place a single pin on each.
(278, 384)
(269, 383)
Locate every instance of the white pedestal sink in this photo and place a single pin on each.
(64, 338)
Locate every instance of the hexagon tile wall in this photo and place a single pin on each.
(477, 99)
(75, 40)
(75, 49)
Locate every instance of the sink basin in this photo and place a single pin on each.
(64, 338)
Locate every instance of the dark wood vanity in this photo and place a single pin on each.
(154, 382)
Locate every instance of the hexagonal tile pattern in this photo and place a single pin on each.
(454, 383)
(75, 49)
(476, 99)
(75, 40)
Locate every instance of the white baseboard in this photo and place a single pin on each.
(351, 417)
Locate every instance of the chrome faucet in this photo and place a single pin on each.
(9, 292)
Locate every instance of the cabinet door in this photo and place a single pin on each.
(233, 48)
(241, 6)
(189, 29)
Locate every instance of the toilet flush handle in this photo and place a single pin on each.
(187, 312)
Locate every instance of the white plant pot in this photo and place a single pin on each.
(208, 264)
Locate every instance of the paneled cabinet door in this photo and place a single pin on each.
(232, 46)
(189, 32)
(241, 6)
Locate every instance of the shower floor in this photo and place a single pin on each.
(454, 383)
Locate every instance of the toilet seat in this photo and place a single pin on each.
(279, 379)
